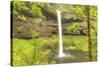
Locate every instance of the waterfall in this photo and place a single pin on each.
(61, 53)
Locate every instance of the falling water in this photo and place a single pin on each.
(61, 53)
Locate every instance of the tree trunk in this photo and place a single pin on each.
(89, 33)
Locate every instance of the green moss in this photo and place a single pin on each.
(37, 51)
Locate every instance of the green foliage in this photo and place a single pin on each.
(74, 27)
(34, 51)
(36, 11)
(93, 11)
(80, 10)
(38, 51)
(94, 47)
(26, 9)
(75, 42)
(23, 52)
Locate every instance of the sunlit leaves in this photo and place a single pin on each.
(26, 9)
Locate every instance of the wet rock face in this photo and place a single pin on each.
(21, 30)
(34, 28)
(71, 17)
(47, 31)
(40, 27)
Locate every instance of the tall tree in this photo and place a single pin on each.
(89, 30)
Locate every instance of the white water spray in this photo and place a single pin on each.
(61, 53)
